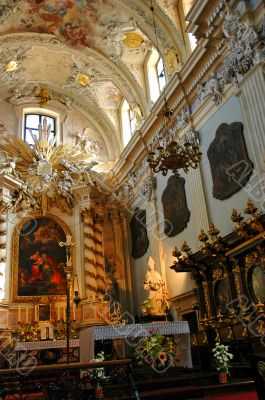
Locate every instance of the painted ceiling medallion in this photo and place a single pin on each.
(11, 66)
(83, 79)
(133, 40)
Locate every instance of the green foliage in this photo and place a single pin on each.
(159, 351)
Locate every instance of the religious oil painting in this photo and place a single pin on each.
(230, 166)
(38, 260)
(140, 241)
(176, 212)
(257, 284)
(222, 295)
(44, 312)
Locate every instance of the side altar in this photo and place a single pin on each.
(132, 333)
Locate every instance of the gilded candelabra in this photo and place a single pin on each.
(68, 270)
(168, 153)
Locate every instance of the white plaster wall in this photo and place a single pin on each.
(177, 283)
(8, 117)
(219, 211)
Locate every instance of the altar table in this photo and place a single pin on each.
(180, 329)
(45, 344)
(44, 351)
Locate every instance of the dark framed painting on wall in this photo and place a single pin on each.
(43, 312)
(38, 262)
(256, 283)
(230, 165)
(222, 295)
(176, 212)
(140, 241)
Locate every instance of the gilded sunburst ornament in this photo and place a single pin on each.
(47, 172)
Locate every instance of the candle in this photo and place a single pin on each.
(58, 316)
(64, 313)
(74, 313)
(27, 315)
(19, 314)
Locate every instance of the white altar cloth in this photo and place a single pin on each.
(45, 344)
(180, 329)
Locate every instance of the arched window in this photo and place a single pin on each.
(32, 121)
(128, 122)
(156, 75)
(161, 74)
(184, 8)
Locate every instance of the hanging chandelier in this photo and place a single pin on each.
(169, 151)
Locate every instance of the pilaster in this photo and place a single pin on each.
(252, 99)
(197, 198)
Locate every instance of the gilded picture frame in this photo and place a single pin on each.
(38, 262)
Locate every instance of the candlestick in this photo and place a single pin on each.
(74, 313)
(19, 313)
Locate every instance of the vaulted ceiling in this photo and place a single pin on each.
(89, 54)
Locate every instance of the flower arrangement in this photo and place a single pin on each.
(159, 351)
(222, 357)
(97, 374)
(146, 307)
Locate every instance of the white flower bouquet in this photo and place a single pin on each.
(222, 357)
(97, 374)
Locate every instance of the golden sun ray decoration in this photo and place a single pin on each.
(47, 172)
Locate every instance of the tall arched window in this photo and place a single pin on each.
(156, 75)
(184, 8)
(32, 121)
(128, 122)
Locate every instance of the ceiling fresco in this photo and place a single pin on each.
(90, 52)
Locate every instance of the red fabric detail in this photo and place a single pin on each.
(237, 396)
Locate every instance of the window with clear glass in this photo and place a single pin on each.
(156, 75)
(32, 122)
(128, 122)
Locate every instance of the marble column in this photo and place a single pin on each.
(100, 267)
(252, 100)
(90, 266)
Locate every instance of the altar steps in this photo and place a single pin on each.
(194, 386)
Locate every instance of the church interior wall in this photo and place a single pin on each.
(124, 271)
(8, 117)
(218, 211)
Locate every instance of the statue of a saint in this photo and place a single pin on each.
(157, 288)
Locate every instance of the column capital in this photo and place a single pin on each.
(115, 215)
(87, 212)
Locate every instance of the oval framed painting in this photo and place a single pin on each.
(256, 283)
(222, 295)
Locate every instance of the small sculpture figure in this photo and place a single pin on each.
(157, 289)
(8, 168)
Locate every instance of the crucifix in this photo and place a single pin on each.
(68, 269)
